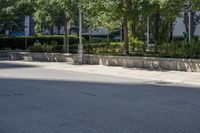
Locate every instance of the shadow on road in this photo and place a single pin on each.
(77, 107)
(6, 65)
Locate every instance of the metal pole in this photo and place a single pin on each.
(80, 46)
(189, 28)
(148, 36)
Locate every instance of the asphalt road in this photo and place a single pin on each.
(34, 99)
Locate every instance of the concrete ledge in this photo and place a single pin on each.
(4, 54)
(153, 63)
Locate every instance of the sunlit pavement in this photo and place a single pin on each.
(59, 97)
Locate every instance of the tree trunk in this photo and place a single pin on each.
(126, 40)
(66, 38)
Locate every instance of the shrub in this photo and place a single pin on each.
(37, 47)
(137, 45)
(180, 50)
(51, 48)
(100, 48)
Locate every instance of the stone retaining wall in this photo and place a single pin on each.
(4, 54)
(151, 63)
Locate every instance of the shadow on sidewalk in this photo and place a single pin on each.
(13, 65)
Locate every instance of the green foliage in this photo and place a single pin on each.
(137, 45)
(180, 50)
(100, 48)
(163, 18)
(98, 40)
(12, 13)
(195, 4)
(53, 12)
(111, 13)
(37, 47)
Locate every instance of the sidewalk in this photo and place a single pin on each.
(192, 78)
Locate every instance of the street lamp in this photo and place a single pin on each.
(148, 32)
(188, 10)
(189, 28)
(80, 46)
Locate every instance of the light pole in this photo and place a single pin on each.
(80, 46)
(148, 36)
(121, 33)
(187, 8)
(189, 26)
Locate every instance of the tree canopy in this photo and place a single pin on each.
(55, 12)
(132, 15)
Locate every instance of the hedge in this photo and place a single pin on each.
(99, 48)
(19, 42)
(180, 50)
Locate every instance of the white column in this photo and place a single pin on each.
(27, 25)
(27, 29)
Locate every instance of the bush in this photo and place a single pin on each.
(38, 47)
(19, 42)
(51, 48)
(100, 48)
(180, 50)
(137, 45)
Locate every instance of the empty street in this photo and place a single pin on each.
(38, 99)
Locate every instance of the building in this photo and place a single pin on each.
(179, 27)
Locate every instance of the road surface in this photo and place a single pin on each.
(35, 99)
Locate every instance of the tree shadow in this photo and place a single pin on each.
(77, 106)
(13, 65)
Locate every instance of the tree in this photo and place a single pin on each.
(195, 4)
(141, 11)
(110, 14)
(195, 20)
(49, 12)
(7, 15)
(133, 15)
(12, 13)
(163, 18)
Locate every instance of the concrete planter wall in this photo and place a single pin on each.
(152, 63)
(4, 54)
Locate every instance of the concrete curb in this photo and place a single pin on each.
(152, 63)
